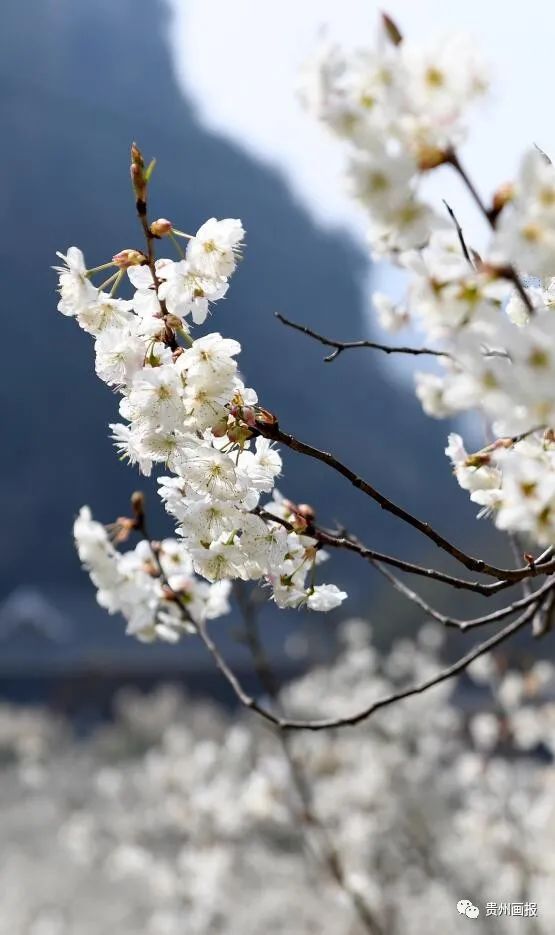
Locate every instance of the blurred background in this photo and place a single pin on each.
(210, 90)
(162, 811)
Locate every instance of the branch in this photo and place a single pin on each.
(494, 616)
(285, 723)
(443, 675)
(343, 540)
(274, 433)
(348, 345)
(460, 234)
(509, 272)
(372, 556)
(140, 179)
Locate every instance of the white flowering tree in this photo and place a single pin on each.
(401, 111)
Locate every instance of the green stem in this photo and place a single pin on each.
(108, 281)
(98, 269)
(177, 245)
(118, 279)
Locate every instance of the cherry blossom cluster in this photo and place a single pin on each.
(130, 583)
(401, 108)
(178, 818)
(187, 410)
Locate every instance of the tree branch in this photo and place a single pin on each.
(508, 272)
(494, 616)
(286, 723)
(348, 345)
(343, 540)
(460, 234)
(351, 720)
(274, 433)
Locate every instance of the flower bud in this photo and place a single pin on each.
(306, 511)
(138, 504)
(265, 417)
(130, 257)
(238, 434)
(121, 529)
(477, 460)
(430, 157)
(245, 413)
(392, 31)
(220, 428)
(502, 196)
(161, 228)
(137, 169)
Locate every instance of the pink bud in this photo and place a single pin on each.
(220, 429)
(161, 228)
(248, 416)
(126, 258)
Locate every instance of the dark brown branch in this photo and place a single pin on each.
(285, 723)
(274, 433)
(508, 272)
(140, 181)
(460, 234)
(351, 720)
(343, 540)
(371, 555)
(349, 345)
(463, 625)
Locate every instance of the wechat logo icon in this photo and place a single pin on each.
(466, 908)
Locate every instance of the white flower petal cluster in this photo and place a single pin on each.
(187, 410)
(402, 108)
(129, 583)
(517, 483)
(525, 231)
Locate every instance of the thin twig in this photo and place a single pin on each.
(349, 345)
(371, 555)
(471, 623)
(509, 272)
(351, 720)
(518, 551)
(460, 234)
(141, 206)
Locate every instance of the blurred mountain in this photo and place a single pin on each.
(79, 82)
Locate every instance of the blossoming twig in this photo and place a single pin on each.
(491, 216)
